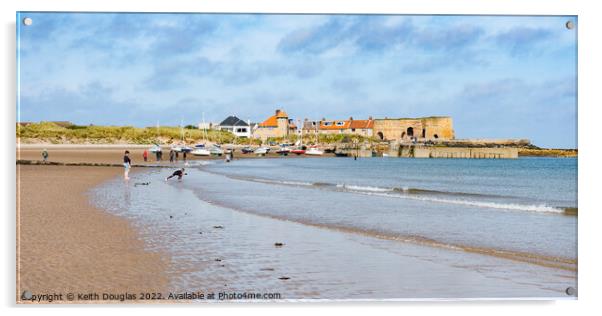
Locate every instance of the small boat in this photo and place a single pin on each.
(298, 151)
(199, 146)
(176, 148)
(201, 152)
(341, 154)
(216, 150)
(155, 149)
(185, 149)
(262, 150)
(314, 151)
(247, 150)
(284, 150)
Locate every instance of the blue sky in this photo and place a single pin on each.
(497, 76)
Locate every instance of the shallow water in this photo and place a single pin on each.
(492, 205)
(338, 243)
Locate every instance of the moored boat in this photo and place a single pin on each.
(216, 150)
(262, 150)
(314, 151)
(284, 150)
(155, 149)
(201, 151)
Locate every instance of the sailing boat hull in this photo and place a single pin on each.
(201, 152)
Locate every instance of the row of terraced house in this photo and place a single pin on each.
(399, 129)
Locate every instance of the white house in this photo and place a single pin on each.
(236, 126)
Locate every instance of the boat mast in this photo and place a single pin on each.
(204, 129)
(182, 130)
(158, 132)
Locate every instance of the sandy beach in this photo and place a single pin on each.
(64, 244)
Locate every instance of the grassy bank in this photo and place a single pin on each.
(47, 132)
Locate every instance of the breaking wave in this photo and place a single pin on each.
(458, 198)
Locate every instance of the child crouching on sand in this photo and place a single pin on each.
(179, 173)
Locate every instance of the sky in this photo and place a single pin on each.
(497, 76)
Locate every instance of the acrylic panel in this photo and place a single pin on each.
(273, 157)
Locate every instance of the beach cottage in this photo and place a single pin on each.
(235, 126)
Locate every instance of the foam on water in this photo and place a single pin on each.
(416, 194)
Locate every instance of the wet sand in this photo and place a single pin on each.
(64, 244)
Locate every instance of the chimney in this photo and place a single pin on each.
(351, 118)
(370, 117)
(277, 111)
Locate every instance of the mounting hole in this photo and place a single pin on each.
(569, 25)
(570, 291)
(27, 21)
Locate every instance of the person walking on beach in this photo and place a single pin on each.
(45, 155)
(178, 173)
(171, 155)
(145, 155)
(127, 163)
(184, 155)
(177, 155)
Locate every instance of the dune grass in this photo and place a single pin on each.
(77, 134)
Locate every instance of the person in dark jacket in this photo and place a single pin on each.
(178, 173)
(127, 164)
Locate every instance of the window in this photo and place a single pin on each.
(327, 123)
(340, 123)
(353, 129)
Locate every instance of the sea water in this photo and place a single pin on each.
(507, 205)
(366, 228)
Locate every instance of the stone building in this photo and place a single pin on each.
(362, 127)
(425, 128)
(350, 126)
(277, 125)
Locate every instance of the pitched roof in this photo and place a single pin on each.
(333, 125)
(233, 121)
(272, 121)
(310, 125)
(362, 124)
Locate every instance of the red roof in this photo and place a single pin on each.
(272, 121)
(362, 124)
(334, 125)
